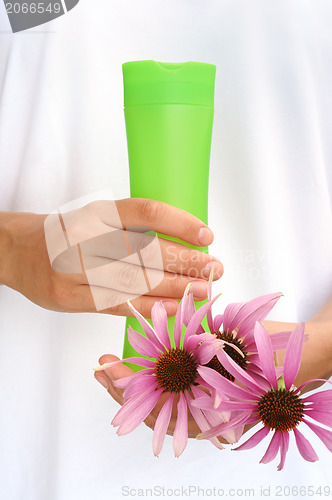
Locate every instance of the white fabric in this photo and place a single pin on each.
(62, 136)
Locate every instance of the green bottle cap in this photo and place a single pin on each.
(152, 82)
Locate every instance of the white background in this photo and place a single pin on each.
(62, 136)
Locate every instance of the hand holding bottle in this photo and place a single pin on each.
(25, 265)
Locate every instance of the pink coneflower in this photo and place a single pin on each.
(234, 331)
(278, 405)
(173, 370)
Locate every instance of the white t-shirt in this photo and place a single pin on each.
(62, 136)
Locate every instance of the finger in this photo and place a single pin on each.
(140, 279)
(98, 292)
(164, 219)
(121, 281)
(145, 249)
(117, 394)
(97, 299)
(107, 376)
(102, 379)
(173, 286)
(180, 259)
(117, 370)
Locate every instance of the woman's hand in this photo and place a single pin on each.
(316, 359)
(101, 257)
(107, 377)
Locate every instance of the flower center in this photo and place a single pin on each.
(215, 364)
(281, 410)
(176, 370)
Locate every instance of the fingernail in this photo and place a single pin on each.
(217, 269)
(205, 236)
(199, 289)
(102, 381)
(171, 307)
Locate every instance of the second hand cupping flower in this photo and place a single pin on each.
(172, 370)
(271, 401)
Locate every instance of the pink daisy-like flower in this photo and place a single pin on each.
(172, 370)
(234, 334)
(278, 405)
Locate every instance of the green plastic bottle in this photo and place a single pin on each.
(169, 111)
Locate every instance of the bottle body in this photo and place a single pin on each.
(169, 154)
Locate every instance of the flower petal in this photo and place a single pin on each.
(223, 385)
(324, 434)
(245, 314)
(324, 417)
(310, 381)
(255, 310)
(293, 355)
(203, 402)
(179, 320)
(254, 439)
(122, 382)
(265, 353)
(284, 444)
(215, 418)
(135, 360)
(180, 436)
(209, 312)
(259, 379)
(137, 416)
(230, 314)
(194, 341)
(237, 432)
(218, 322)
(218, 398)
(319, 397)
(197, 319)
(304, 447)
(238, 372)
(236, 405)
(161, 425)
(272, 449)
(130, 406)
(200, 419)
(207, 350)
(159, 320)
(142, 344)
(150, 333)
(139, 385)
(322, 406)
(220, 429)
(279, 340)
(189, 311)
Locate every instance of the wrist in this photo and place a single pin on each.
(8, 231)
(319, 329)
(5, 250)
